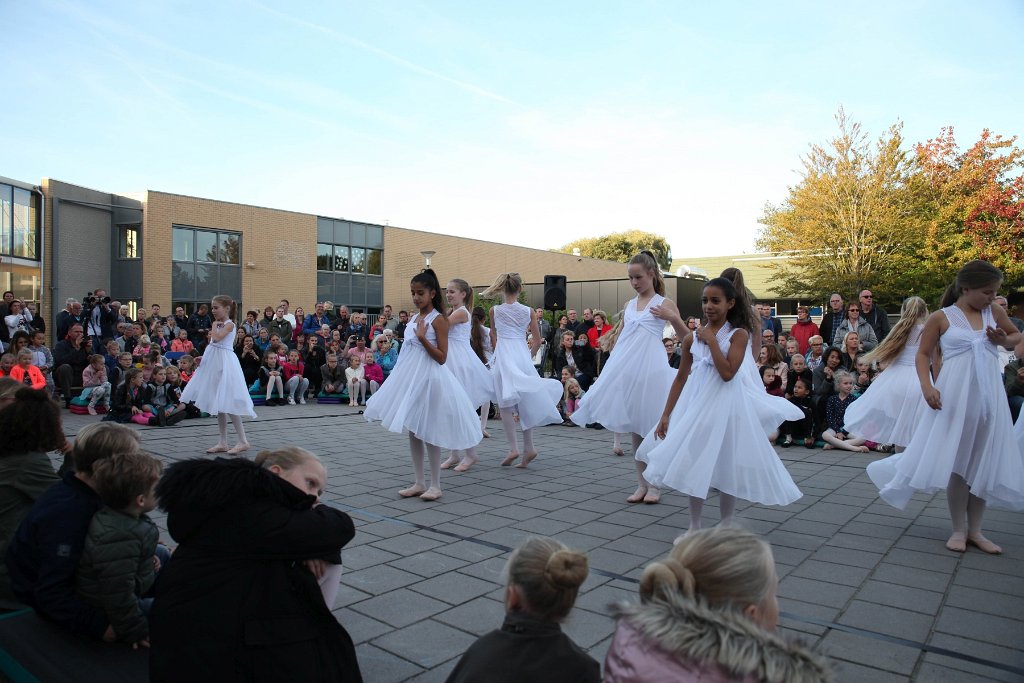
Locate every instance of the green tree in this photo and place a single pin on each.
(622, 246)
(852, 221)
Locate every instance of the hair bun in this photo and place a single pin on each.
(566, 569)
(669, 575)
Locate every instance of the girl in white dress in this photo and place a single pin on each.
(888, 412)
(716, 438)
(421, 395)
(468, 367)
(965, 442)
(630, 392)
(517, 387)
(218, 386)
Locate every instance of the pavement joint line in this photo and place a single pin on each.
(864, 633)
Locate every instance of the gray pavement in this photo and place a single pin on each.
(872, 586)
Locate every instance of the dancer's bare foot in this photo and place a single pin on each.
(432, 493)
(414, 490)
(863, 449)
(527, 459)
(653, 496)
(466, 463)
(984, 545)
(452, 461)
(487, 434)
(638, 495)
(509, 459)
(219, 448)
(828, 447)
(618, 451)
(238, 448)
(957, 542)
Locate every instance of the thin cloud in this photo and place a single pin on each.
(385, 55)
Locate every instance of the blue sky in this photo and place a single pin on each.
(532, 123)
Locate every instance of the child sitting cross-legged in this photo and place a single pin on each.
(333, 375)
(121, 556)
(164, 400)
(835, 435)
(94, 383)
(543, 579)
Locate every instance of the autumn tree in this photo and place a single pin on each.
(622, 246)
(973, 203)
(850, 223)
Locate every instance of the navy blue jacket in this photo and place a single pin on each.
(43, 555)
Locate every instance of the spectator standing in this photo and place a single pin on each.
(71, 314)
(598, 327)
(198, 326)
(769, 321)
(855, 323)
(280, 325)
(803, 329)
(315, 320)
(1005, 303)
(36, 322)
(588, 321)
(544, 326)
(875, 316)
(573, 323)
(1013, 381)
(343, 321)
(833, 318)
(403, 321)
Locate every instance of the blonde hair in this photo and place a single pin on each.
(506, 283)
(724, 567)
(144, 339)
(102, 439)
(287, 457)
(604, 316)
(840, 375)
(846, 339)
(912, 313)
(466, 290)
(650, 264)
(549, 576)
(606, 342)
(571, 382)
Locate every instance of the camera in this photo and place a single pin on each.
(90, 300)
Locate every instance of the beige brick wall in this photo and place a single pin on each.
(478, 262)
(281, 245)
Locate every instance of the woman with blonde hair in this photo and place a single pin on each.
(708, 613)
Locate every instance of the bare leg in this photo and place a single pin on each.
(243, 443)
(508, 421)
(727, 507)
(416, 451)
(856, 445)
(222, 445)
(484, 410)
(975, 513)
(617, 444)
(434, 455)
(957, 496)
(653, 494)
(529, 452)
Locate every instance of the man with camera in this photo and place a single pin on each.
(100, 317)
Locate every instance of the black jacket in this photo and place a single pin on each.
(198, 326)
(586, 361)
(66, 354)
(42, 558)
(236, 603)
(123, 401)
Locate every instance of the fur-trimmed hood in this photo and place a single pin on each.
(709, 638)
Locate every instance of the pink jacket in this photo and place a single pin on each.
(92, 378)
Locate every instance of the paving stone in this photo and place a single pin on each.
(453, 587)
(816, 592)
(902, 597)
(988, 651)
(400, 607)
(428, 564)
(971, 624)
(912, 576)
(888, 620)
(477, 616)
(426, 644)
(998, 583)
(380, 579)
(361, 627)
(831, 572)
(381, 666)
(859, 650)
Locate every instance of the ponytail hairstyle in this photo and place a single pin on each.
(913, 313)
(972, 275)
(744, 300)
(646, 259)
(467, 291)
(724, 568)
(476, 332)
(228, 303)
(506, 283)
(428, 278)
(737, 315)
(548, 576)
(606, 342)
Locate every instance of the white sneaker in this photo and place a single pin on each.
(302, 400)
(291, 401)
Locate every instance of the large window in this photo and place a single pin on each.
(19, 222)
(128, 242)
(350, 263)
(205, 263)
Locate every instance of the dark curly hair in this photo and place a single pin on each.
(31, 424)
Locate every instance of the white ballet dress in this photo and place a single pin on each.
(888, 412)
(715, 439)
(971, 435)
(629, 395)
(218, 385)
(516, 382)
(462, 360)
(771, 411)
(424, 397)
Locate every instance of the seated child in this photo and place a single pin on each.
(864, 375)
(42, 357)
(355, 379)
(125, 362)
(543, 579)
(131, 400)
(182, 344)
(803, 428)
(111, 356)
(294, 381)
(798, 370)
(95, 386)
(186, 366)
(373, 373)
(333, 375)
(143, 348)
(270, 378)
(164, 400)
(26, 373)
(7, 361)
(119, 561)
(834, 435)
(772, 383)
(571, 396)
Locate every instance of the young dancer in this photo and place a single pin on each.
(890, 409)
(716, 437)
(631, 390)
(965, 442)
(517, 386)
(218, 385)
(422, 396)
(473, 375)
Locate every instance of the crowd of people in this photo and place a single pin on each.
(247, 593)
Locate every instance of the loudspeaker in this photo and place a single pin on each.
(554, 292)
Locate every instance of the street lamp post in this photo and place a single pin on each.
(427, 255)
